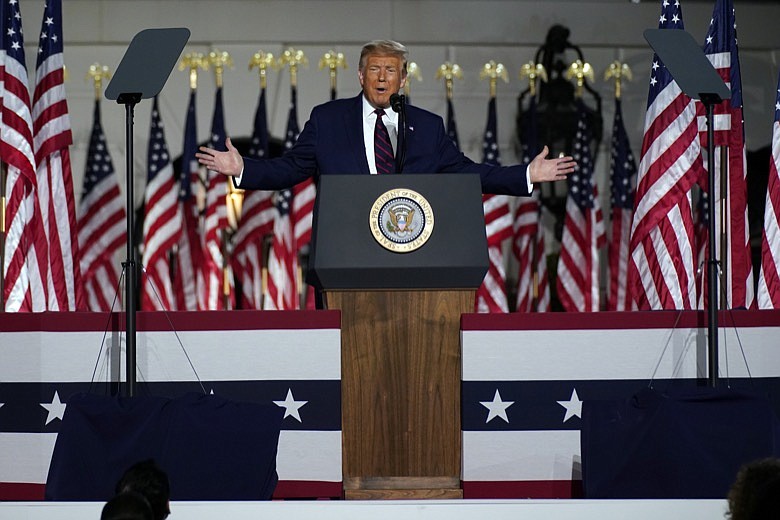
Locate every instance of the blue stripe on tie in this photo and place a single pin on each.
(383, 149)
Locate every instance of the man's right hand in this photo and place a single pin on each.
(228, 163)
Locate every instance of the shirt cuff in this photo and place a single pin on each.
(237, 179)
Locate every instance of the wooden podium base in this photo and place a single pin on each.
(402, 488)
(400, 391)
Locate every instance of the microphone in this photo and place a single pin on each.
(397, 102)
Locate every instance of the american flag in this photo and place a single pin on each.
(769, 277)
(305, 192)
(661, 273)
(52, 138)
(281, 292)
(216, 223)
(491, 295)
(282, 288)
(583, 229)
(622, 180)
(189, 276)
(722, 51)
(543, 303)
(528, 243)
(25, 264)
(257, 218)
(452, 128)
(162, 220)
(102, 223)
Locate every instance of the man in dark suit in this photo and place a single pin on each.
(343, 137)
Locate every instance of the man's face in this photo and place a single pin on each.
(381, 78)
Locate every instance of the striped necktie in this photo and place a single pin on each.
(383, 149)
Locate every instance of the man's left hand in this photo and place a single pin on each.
(542, 169)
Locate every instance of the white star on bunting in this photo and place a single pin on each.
(291, 406)
(497, 408)
(56, 408)
(573, 406)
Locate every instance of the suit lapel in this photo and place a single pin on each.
(353, 120)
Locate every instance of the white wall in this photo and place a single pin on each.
(468, 32)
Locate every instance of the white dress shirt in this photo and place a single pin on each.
(369, 123)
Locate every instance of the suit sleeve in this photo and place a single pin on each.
(295, 166)
(498, 180)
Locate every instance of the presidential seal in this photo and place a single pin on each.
(401, 220)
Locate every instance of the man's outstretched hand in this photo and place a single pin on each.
(227, 163)
(542, 169)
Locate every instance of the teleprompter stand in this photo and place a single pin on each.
(210, 448)
(141, 74)
(698, 79)
(685, 441)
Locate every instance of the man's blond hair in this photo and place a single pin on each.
(384, 48)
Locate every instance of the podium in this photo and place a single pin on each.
(401, 297)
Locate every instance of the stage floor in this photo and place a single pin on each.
(393, 510)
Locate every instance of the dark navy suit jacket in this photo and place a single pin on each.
(332, 143)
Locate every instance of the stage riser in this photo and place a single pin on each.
(533, 360)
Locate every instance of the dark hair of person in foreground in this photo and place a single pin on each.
(755, 494)
(149, 480)
(127, 506)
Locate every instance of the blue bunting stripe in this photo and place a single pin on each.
(557, 405)
(23, 409)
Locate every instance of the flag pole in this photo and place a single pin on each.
(293, 58)
(580, 70)
(618, 72)
(412, 71)
(449, 71)
(534, 71)
(492, 71)
(192, 61)
(220, 60)
(262, 61)
(333, 60)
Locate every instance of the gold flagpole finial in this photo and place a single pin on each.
(193, 61)
(412, 71)
(449, 71)
(293, 58)
(97, 73)
(219, 60)
(262, 61)
(533, 71)
(492, 71)
(333, 60)
(618, 71)
(580, 71)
